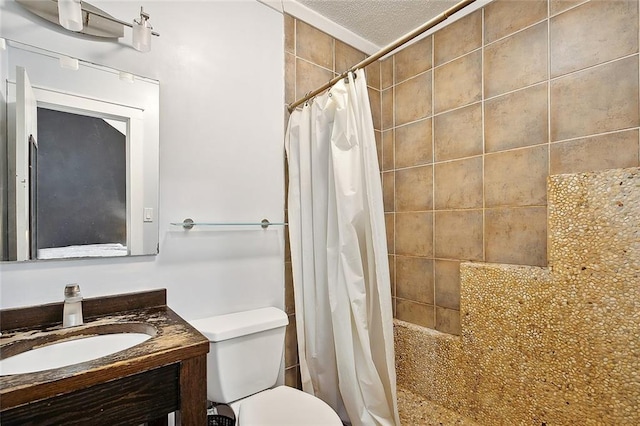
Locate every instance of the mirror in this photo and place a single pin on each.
(80, 158)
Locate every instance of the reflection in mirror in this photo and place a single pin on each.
(79, 186)
(81, 159)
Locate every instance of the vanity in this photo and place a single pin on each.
(141, 384)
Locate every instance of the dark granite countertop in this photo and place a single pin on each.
(172, 341)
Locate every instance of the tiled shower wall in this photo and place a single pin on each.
(476, 116)
(312, 58)
(472, 120)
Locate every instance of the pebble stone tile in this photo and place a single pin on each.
(415, 410)
(558, 345)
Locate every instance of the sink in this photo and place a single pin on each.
(138, 385)
(69, 352)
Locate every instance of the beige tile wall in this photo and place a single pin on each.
(474, 119)
(312, 58)
(471, 120)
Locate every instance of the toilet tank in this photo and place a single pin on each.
(245, 352)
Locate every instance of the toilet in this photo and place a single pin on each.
(242, 369)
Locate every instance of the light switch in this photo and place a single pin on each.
(148, 214)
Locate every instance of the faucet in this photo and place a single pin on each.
(72, 312)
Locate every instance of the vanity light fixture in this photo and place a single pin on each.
(82, 17)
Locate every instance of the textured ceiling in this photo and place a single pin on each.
(379, 21)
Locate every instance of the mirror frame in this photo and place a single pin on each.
(93, 84)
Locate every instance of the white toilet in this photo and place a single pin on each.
(243, 364)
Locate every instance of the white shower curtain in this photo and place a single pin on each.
(339, 256)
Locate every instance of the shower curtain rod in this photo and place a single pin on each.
(389, 48)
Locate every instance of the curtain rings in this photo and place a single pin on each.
(353, 73)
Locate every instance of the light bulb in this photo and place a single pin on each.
(141, 36)
(70, 14)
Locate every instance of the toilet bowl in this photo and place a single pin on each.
(284, 406)
(243, 364)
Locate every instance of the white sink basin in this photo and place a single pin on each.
(69, 352)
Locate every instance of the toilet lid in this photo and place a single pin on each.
(284, 405)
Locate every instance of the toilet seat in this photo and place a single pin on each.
(286, 406)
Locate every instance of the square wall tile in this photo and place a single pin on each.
(346, 56)
(458, 184)
(292, 377)
(314, 45)
(289, 78)
(390, 228)
(414, 146)
(610, 151)
(447, 283)
(287, 242)
(414, 189)
(458, 234)
(375, 103)
(412, 60)
(515, 62)
(289, 300)
(289, 34)
(378, 136)
(392, 274)
(414, 279)
(593, 33)
(458, 133)
(388, 189)
(387, 150)
(386, 73)
(596, 100)
(388, 138)
(516, 178)
(412, 99)
(415, 313)
(291, 343)
(387, 109)
(516, 236)
(504, 17)
(517, 119)
(558, 6)
(458, 38)
(372, 72)
(309, 77)
(458, 83)
(414, 234)
(448, 320)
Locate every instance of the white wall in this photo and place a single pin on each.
(220, 66)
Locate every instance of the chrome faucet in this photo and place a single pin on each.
(72, 312)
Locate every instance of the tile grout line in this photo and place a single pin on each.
(393, 168)
(433, 179)
(484, 142)
(548, 125)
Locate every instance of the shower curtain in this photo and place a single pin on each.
(339, 256)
